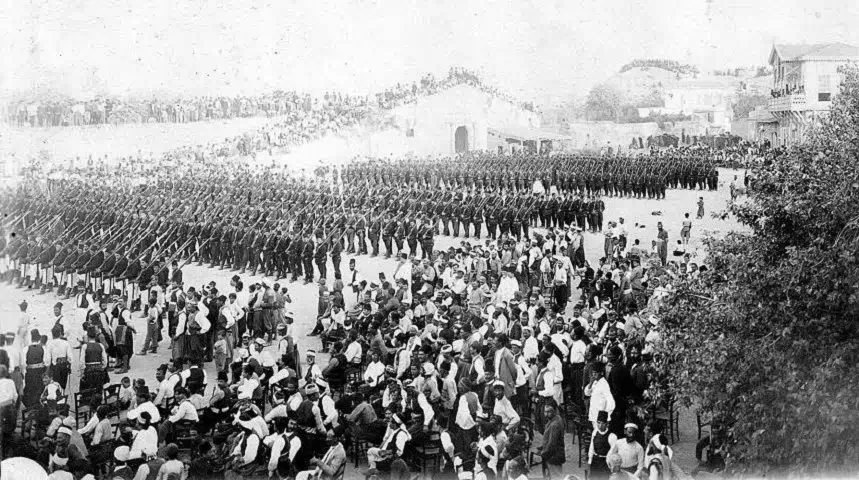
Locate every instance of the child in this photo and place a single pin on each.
(127, 395)
(220, 352)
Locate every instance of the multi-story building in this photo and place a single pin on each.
(805, 79)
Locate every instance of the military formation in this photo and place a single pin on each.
(121, 237)
(642, 176)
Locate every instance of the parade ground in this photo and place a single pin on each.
(641, 217)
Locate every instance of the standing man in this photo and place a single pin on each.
(320, 255)
(336, 251)
(93, 363)
(59, 356)
(35, 359)
(630, 451)
(662, 236)
(553, 453)
(307, 258)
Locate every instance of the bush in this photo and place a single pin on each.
(769, 337)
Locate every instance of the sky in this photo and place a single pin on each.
(537, 50)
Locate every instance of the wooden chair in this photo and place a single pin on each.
(428, 455)
(359, 449)
(185, 435)
(584, 431)
(111, 397)
(669, 417)
(83, 405)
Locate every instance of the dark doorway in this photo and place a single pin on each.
(461, 140)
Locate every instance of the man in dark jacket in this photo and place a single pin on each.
(553, 453)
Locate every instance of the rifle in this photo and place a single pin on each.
(170, 259)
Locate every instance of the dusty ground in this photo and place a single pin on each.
(305, 296)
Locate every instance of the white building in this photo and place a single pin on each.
(805, 78)
(704, 98)
(465, 118)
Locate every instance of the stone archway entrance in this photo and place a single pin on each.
(461, 140)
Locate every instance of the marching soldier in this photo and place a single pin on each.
(307, 255)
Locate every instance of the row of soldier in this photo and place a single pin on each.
(639, 176)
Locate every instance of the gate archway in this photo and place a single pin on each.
(461, 140)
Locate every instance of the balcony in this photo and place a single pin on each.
(797, 101)
(800, 102)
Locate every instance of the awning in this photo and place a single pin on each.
(525, 133)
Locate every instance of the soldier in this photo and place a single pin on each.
(427, 242)
(373, 234)
(307, 256)
(455, 216)
(293, 253)
(412, 239)
(400, 234)
(336, 251)
(505, 217)
(351, 221)
(446, 212)
(390, 226)
(466, 215)
(492, 221)
(321, 257)
(477, 218)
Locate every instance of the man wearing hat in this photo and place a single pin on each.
(35, 364)
(60, 319)
(308, 418)
(552, 451)
(120, 468)
(630, 451)
(93, 363)
(602, 442)
(394, 441)
(58, 357)
(503, 407)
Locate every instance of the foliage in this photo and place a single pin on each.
(659, 118)
(768, 338)
(603, 102)
(747, 102)
(670, 65)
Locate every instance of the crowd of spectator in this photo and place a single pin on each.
(61, 112)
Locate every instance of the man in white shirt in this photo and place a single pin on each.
(375, 371)
(354, 352)
(144, 405)
(58, 357)
(503, 408)
(145, 443)
(278, 442)
(184, 411)
(392, 444)
(600, 393)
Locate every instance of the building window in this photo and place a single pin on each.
(824, 91)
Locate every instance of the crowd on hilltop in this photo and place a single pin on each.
(402, 94)
(65, 111)
(114, 110)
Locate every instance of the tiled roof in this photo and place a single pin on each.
(819, 51)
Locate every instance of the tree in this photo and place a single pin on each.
(768, 337)
(603, 102)
(746, 103)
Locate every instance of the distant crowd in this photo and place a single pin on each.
(65, 111)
